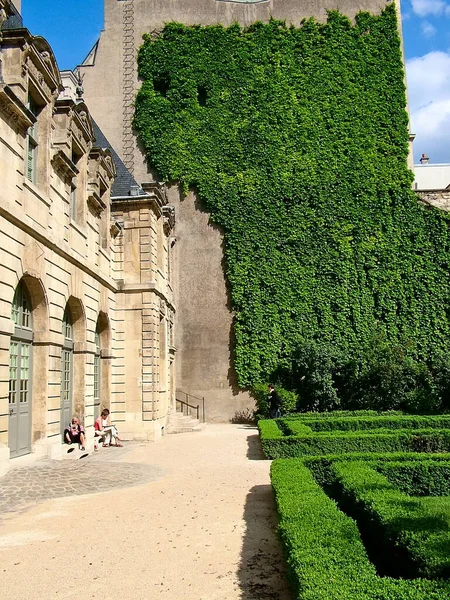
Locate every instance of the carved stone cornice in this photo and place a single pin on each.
(64, 166)
(156, 190)
(104, 161)
(14, 108)
(95, 203)
(116, 228)
(169, 218)
(37, 62)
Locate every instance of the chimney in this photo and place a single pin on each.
(424, 160)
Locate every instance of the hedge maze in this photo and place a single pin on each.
(364, 506)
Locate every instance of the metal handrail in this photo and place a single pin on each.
(185, 403)
(197, 408)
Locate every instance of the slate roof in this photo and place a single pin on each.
(14, 21)
(124, 180)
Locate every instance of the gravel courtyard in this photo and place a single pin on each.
(191, 518)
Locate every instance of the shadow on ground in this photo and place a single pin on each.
(254, 450)
(262, 571)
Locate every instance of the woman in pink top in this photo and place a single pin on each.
(108, 433)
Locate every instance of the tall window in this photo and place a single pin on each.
(32, 144)
(66, 370)
(97, 374)
(73, 202)
(19, 427)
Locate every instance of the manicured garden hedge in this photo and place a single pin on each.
(421, 440)
(326, 557)
(333, 414)
(354, 423)
(412, 531)
(418, 478)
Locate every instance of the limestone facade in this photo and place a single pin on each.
(86, 303)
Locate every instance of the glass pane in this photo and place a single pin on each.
(21, 308)
(25, 362)
(13, 362)
(96, 377)
(66, 375)
(67, 325)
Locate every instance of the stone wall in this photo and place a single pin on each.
(438, 198)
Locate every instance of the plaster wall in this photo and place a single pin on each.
(431, 177)
(204, 322)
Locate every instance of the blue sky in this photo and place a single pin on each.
(73, 26)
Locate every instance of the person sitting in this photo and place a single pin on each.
(74, 433)
(107, 432)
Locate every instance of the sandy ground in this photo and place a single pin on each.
(205, 530)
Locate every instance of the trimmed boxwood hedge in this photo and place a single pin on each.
(333, 414)
(421, 440)
(413, 531)
(376, 422)
(326, 558)
(418, 478)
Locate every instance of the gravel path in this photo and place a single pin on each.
(194, 520)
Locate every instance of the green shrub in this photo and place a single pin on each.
(362, 423)
(418, 478)
(325, 556)
(345, 413)
(414, 530)
(260, 394)
(322, 443)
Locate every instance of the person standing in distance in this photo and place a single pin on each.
(274, 402)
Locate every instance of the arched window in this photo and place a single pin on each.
(20, 374)
(97, 374)
(66, 370)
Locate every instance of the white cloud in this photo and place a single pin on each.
(423, 8)
(427, 28)
(428, 79)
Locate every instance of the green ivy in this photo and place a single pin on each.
(296, 140)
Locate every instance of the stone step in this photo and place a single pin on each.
(179, 423)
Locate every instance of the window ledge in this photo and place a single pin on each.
(32, 187)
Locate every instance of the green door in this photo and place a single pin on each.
(20, 375)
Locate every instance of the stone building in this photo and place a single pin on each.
(203, 320)
(86, 300)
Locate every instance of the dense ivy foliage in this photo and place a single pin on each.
(296, 140)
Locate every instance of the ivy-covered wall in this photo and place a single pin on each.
(296, 140)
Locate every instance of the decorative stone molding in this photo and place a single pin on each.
(14, 108)
(95, 203)
(116, 228)
(36, 62)
(64, 166)
(3, 15)
(36, 74)
(169, 218)
(129, 84)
